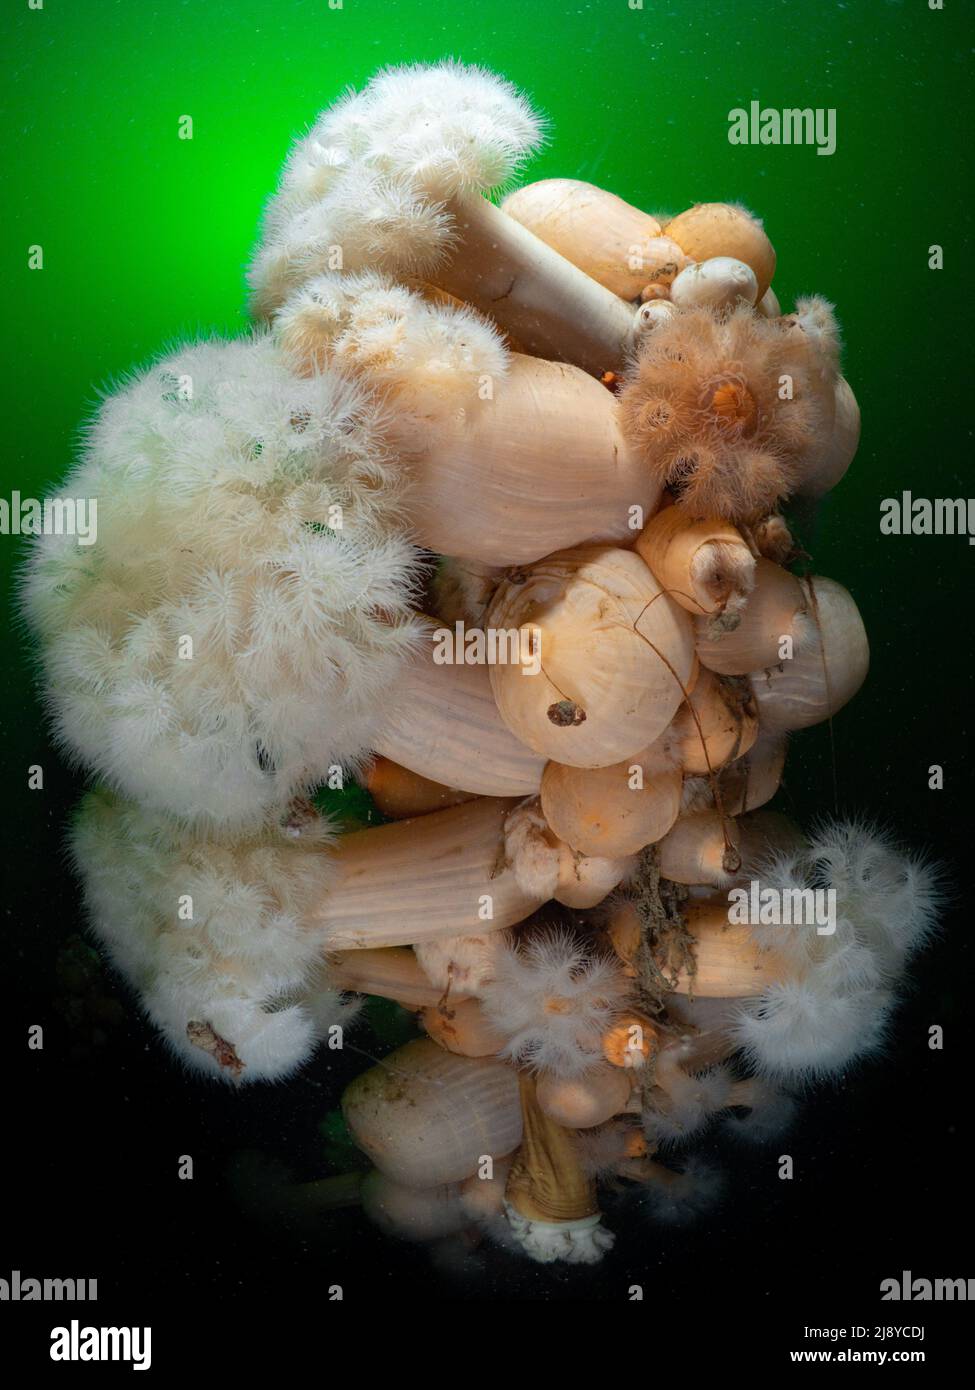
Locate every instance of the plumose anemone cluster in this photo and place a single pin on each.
(230, 634)
(486, 514)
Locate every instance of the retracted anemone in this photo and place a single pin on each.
(246, 606)
(726, 406)
(833, 1002)
(215, 936)
(725, 229)
(770, 1113)
(617, 244)
(831, 657)
(391, 178)
(426, 1116)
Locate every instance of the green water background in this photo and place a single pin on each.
(146, 236)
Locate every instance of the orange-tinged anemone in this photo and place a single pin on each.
(733, 407)
(635, 1145)
(629, 1042)
(724, 406)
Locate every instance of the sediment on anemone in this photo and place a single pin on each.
(216, 935)
(375, 161)
(614, 654)
(835, 1002)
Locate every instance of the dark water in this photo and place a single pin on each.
(145, 238)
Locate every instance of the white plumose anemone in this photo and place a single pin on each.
(770, 1113)
(213, 935)
(554, 1002)
(371, 175)
(428, 359)
(689, 1107)
(691, 1193)
(833, 1005)
(233, 631)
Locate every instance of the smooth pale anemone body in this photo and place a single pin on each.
(725, 405)
(215, 934)
(230, 635)
(462, 964)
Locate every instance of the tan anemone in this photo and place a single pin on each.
(725, 407)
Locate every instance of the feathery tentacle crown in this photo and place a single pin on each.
(424, 357)
(553, 1000)
(834, 1004)
(366, 187)
(214, 934)
(724, 405)
(230, 635)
